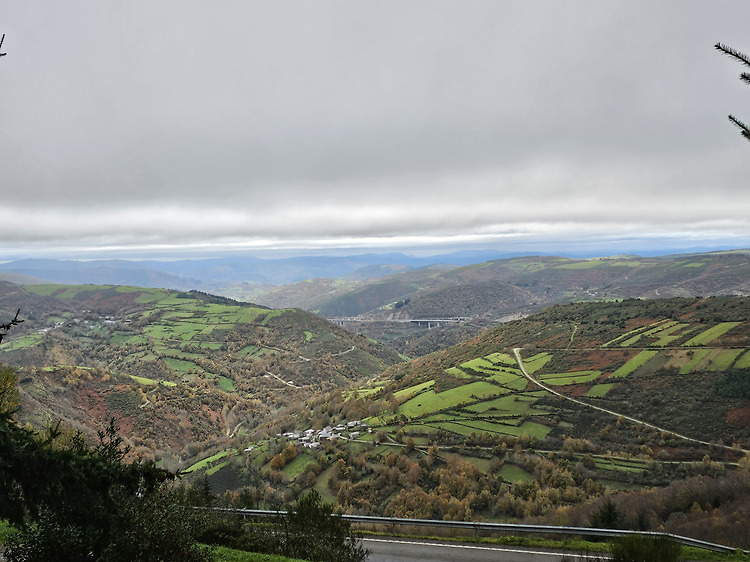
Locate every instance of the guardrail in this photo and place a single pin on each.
(477, 526)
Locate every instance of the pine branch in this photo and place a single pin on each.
(744, 129)
(745, 77)
(733, 53)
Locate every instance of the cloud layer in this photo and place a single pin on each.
(186, 125)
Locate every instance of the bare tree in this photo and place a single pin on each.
(8, 325)
(745, 77)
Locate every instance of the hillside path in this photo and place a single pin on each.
(517, 353)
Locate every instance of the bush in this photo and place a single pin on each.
(637, 548)
(310, 531)
(608, 516)
(158, 527)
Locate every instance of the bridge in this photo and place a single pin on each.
(422, 322)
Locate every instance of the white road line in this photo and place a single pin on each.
(499, 547)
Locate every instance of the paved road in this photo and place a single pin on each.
(386, 549)
(517, 353)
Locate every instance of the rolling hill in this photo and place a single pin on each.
(174, 367)
(540, 419)
(499, 290)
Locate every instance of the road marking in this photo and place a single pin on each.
(499, 547)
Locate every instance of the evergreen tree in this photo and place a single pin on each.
(745, 77)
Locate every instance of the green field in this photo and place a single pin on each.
(511, 405)
(649, 332)
(412, 390)
(634, 363)
(561, 379)
(743, 362)
(429, 401)
(208, 462)
(632, 333)
(599, 390)
(513, 473)
(151, 382)
(536, 362)
(706, 337)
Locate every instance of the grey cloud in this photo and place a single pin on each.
(187, 121)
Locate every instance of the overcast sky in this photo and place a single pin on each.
(165, 126)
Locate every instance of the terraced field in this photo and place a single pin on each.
(490, 394)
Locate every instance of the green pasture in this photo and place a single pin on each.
(180, 365)
(321, 485)
(698, 356)
(514, 473)
(562, 379)
(743, 362)
(670, 334)
(631, 333)
(512, 405)
(649, 332)
(503, 358)
(205, 463)
(481, 365)
(711, 360)
(272, 314)
(412, 390)
(64, 291)
(509, 378)
(458, 373)
(707, 336)
(21, 342)
(634, 363)
(297, 466)
(226, 384)
(362, 392)
(151, 382)
(216, 468)
(481, 464)
(599, 390)
(588, 264)
(254, 351)
(475, 427)
(619, 464)
(429, 401)
(536, 362)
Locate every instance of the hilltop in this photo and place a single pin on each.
(499, 290)
(176, 368)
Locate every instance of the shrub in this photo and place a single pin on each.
(310, 531)
(637, 548)
(158, 526)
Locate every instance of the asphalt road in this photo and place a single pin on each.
(384, 549)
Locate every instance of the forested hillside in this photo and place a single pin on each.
(539, 419)
(177, 369)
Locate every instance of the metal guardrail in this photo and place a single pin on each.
(477, 526)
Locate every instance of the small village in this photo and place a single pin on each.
(311, 438)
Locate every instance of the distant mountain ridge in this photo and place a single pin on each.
(498, 288)
(208, 273)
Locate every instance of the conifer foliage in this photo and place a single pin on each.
(745, 77)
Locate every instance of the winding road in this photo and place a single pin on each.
(517, 353)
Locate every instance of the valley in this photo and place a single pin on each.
(542, 418)
(632, 400)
